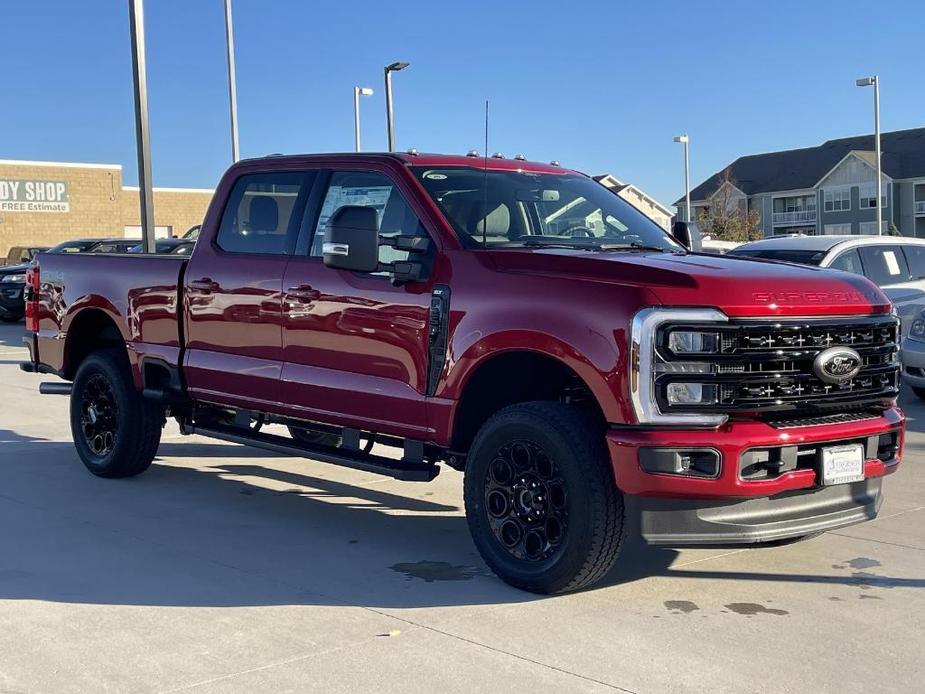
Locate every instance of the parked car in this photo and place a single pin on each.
(110, 245)
(717, 247)
(192, 233)
(513, 320)
(168, 246)
(17, 255)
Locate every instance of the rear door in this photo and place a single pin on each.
(885, 265)
(234, 291)
(355, 345)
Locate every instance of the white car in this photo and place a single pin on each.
(896, 264)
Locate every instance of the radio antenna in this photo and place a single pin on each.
(485, 185)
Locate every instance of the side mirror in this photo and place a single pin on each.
(688, 235)
(352, 239)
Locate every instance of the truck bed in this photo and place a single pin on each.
(139, 294)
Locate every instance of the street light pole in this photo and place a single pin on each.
(142, 138)
(389, 69)
(232, 80)
(357, 93)
(685, 140)
(874, 81)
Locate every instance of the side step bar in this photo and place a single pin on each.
(52, 388)
(406, 470)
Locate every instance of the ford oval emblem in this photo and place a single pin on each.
(837, 364)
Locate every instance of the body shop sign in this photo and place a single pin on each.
(29, 195)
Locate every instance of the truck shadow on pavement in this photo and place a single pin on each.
(288, 532)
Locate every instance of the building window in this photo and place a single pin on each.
(871, 227)
(837, 229)
(837, 200)
(868, 196)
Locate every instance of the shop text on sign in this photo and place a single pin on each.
(29, 195)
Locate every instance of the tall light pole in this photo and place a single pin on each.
(389, 69)
(232, 79)
(357, 93)
(142, 139)
(685, 140)
(874, 81)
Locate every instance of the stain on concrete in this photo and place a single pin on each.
(681, 606)
(352, 542)
(863, 563)
(835, 599)
(867, 580)
(869, 597)
(750, 609)
(247, 492)
(430, 571)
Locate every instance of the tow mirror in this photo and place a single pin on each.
(688, 235)
(352, 239)
(353, 243)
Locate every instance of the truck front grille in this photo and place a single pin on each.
(761, 366)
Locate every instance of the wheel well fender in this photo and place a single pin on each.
(89, 330)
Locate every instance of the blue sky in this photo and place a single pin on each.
(600, 86)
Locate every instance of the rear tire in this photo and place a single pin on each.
(920, 392)
(116, 431)
(314, 438)
(541, 502)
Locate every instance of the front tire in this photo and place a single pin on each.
(541, 502)
(116, 431)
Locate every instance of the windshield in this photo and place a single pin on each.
(72, 247)
(518, 208)
(790, 256)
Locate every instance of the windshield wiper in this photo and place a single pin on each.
(636, 246)
(535, 242)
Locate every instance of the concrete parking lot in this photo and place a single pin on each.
(226, 569)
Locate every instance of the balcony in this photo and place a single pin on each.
(919, 207)
(797, 217)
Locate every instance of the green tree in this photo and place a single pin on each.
(727, 218)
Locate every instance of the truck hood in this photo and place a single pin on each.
(737, 286)
(13, 269)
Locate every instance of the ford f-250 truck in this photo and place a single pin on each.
(513, 320)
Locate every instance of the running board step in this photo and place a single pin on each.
(407, 471)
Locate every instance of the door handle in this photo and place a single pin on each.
(303, 292)
(206, 285)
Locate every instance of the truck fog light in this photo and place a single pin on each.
(697, 462)
(693, 342)
(918, 328)
(691, 394)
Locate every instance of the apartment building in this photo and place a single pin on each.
(639, 199)
(829, 189)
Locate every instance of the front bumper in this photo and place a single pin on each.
(912, 357)
(730, 508)
(11, 301)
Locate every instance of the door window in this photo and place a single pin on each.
(849, 261)
(264, 212)
(884, 265)
(369, 189)
(915, 257)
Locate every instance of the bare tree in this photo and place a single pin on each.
(728, 218)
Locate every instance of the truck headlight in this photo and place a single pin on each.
(683, 331)
(918, 328)
(18, 278)
(693, 342)
(691, 394)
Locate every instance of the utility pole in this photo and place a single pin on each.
(874, 81)
(232, 79)
(686, 141)
(389, 116)
(142, 138)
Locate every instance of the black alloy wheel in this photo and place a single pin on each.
(526, 500)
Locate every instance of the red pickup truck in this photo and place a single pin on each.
(513, 320)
